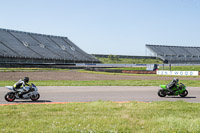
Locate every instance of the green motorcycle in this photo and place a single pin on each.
(179, 90)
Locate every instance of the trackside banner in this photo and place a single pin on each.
(180, 73)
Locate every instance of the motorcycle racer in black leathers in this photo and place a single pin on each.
(172, 84)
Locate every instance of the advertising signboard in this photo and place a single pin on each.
(179, 73)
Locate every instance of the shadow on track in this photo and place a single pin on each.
(39, 101)
(180, 97)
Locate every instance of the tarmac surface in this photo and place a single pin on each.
(50, 94)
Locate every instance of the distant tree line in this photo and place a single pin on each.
(113, 57)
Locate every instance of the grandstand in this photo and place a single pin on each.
(176, 54)
(30, 48)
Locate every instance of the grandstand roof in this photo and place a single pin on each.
(184, 54)
(20, 44)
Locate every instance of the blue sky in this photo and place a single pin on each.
(119, 27)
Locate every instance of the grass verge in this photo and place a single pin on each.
(129, 74)
(192, 83)
(102, 117)
(173, 68)
(181, 68)
(129, 61)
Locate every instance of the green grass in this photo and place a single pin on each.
(173, 68)
(101, 116)
(129, 61)
(129, 74)
(129, 68)
(192, 83)
(181, 68)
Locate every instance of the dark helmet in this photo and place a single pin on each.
(26, 79)
(175, 80)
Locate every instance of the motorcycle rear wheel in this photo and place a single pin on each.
(161, 93)
(184, 94)
(10, 96)
(35, 97)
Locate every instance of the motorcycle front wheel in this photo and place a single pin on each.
(161, 93)
(184, 94)
(10, 96)
(35, 97)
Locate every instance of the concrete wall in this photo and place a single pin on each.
(121, 71)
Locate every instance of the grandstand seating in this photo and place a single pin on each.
(40, 48)
(176, 54)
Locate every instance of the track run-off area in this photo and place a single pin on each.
(51, 94)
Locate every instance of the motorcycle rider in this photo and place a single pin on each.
(172, 84)
(21, 84)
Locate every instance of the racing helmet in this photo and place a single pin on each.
(175, 80)
(26, 79)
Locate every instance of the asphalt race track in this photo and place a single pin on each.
(105, 93)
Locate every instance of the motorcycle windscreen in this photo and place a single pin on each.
(33, 85)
